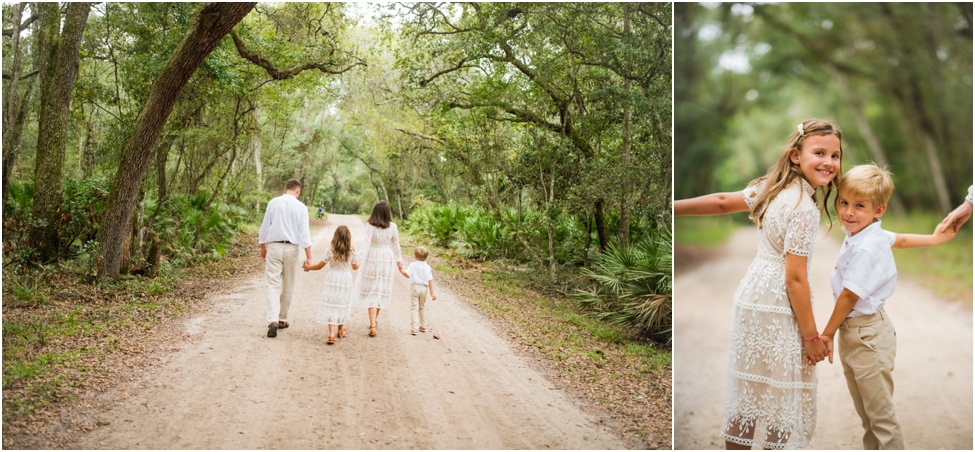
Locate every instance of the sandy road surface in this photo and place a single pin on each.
(933, 374)
(231, 387)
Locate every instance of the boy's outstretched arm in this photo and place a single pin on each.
(317, 266)
(713, 204)
(939, 237)
(844, 304)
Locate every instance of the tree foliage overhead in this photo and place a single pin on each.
(550, 121)
(897, 77)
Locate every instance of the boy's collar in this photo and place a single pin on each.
(874, 226)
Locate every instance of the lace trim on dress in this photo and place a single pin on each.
(773, 383)
(764, 308)
(764, 444)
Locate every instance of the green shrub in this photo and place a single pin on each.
(633, 285)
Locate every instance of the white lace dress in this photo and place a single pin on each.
(374, 284)
(771, 394)
(336, 291)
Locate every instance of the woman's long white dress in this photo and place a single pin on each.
(336, 301)
(374, 285)
(771, 392)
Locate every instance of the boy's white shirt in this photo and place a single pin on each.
(420, 272)
(866, 266)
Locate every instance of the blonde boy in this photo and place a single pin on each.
(421, 280)
(863, 279)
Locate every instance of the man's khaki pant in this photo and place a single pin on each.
(280, 267)
(868, 345)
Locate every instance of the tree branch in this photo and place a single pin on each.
(283, 74)
(420, 135)
(22, 77)
(23, 26)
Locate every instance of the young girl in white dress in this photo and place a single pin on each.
(770, 400)
(381, 260)
(337, 290)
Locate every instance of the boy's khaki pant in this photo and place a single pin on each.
(418, 300)
(868, 345)
(280, 266)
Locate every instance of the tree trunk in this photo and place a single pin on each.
(260, 173)
(162, 155)
(10, 151)
(873, 144)
(10, 105)
(625, 163)
(59, 69)
(601, 225)
(211, 23)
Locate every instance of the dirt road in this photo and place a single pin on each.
(933, 374)
(231, 387)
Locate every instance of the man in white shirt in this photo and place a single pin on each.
(284, 232)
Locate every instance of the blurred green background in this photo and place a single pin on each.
(897, 78)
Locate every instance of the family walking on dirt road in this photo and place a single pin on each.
(770, 398)
(285, 232)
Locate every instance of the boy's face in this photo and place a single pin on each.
(857, 212)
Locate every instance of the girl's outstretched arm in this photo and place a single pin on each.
(713, 204)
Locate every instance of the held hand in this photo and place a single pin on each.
(828, 340)
(816, 351)
(304, 266)
(956, 218)
(307, 262)
(943, 234)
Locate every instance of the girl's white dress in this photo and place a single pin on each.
(771, 394)
(374, 284)
(336, 291)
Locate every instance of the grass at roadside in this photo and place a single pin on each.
(603, 365)
(63, 336)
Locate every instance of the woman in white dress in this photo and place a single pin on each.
(335, 305)
(771, 383)
(381, 260)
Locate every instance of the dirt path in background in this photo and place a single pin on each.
(933, 373)
(231, 387)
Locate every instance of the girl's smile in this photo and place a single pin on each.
(819, 159)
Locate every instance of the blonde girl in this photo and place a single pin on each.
(337, 291)
(771, 384)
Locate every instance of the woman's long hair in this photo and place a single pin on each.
(341, 244)
(381, 215)
(784, 173)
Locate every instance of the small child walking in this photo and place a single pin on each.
(862, 280)
(421, 279)
(337, 290)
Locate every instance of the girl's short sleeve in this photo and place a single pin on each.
(751, 194)
(800, 233)
(328, 256)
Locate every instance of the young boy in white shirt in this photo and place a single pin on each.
(421, 280)
(864, 277)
